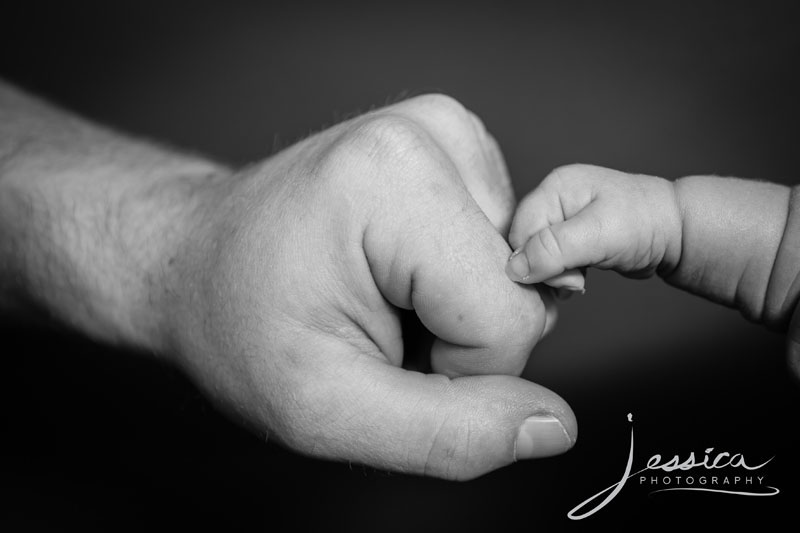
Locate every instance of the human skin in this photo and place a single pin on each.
(278, 287)
(732, 241)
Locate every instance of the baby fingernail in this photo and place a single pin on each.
(517, 267)
(541, 436)
(571, 288)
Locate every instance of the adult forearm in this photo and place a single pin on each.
(739, 245)
(90, 220)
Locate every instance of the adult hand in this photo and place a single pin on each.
(284, 302)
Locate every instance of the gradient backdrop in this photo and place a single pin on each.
(105, 440)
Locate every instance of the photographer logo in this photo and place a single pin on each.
(713, 471)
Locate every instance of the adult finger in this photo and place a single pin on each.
(473, 150)
(430, 247)
(372, 412)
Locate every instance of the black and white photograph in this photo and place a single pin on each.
(399, 267)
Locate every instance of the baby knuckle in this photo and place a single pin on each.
(567, 173)
(550, 242)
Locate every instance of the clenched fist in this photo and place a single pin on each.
(279, 288)
(284, 301)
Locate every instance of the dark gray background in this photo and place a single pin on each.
(101, 438)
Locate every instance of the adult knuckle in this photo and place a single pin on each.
(481, 130)
(378, 147)
(441, 103)
(448, 453)
(450, 114)
(388, 138)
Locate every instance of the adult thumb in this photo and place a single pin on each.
(429, 424)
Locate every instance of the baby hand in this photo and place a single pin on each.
(583, 215)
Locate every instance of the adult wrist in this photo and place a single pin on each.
(177, 212)
(93, 249)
